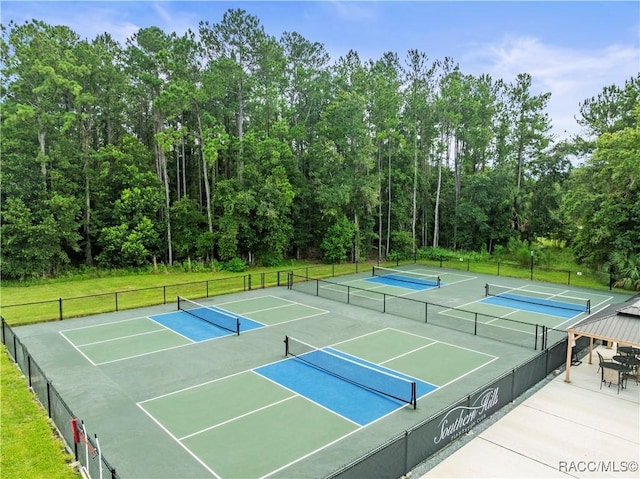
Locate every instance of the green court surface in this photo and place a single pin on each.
(169, 403)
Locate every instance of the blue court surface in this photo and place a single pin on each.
(542, 306)
(199, 329)
(349, 400)
(402, 282)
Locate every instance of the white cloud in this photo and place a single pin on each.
(354, 11)
(571, 74)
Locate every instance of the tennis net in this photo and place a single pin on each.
(407, 276)
(211, 314)
(376, 380)
(560, 301)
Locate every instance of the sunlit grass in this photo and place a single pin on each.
(30, 448)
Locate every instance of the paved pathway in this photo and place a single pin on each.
(561, 430)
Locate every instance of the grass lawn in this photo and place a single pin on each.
(30, 447)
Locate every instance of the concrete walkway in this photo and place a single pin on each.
(562, 430)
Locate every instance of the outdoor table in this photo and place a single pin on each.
(630, 361)
(629, 350)
(617, 368)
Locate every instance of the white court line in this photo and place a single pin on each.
(145, 354)
(77, 349)
(103, 341)
(202, 463)
(233, 419)
(91, 326)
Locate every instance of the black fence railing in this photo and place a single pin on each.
(85, 450)
(532, 271)
(65, 308)
(515, 332)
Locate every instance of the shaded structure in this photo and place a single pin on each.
(617, 323)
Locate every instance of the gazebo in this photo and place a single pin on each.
(617, 323)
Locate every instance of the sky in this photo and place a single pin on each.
(571, 49)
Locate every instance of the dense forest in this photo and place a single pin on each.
(230, 143)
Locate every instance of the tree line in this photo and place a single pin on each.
(230, 143)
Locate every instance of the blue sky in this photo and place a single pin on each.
(572, 49)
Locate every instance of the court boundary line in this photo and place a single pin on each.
(171, 435)
(236, 418)
(77, 349)
(361, 292)
(514, 310)
(440, 274)
(549, 315)
(125, 337)
(147, 353)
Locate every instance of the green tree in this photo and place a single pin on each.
(338, 240)
(604, 204)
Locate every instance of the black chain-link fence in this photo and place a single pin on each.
(86, 452)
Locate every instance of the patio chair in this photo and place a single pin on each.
(600, 361)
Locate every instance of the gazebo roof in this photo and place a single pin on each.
(619, 323)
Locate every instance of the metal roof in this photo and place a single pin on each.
(619, 323)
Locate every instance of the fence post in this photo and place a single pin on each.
(116, 301)
(406, 451)
(60, 308)
(28, 368)
(531, 265)
(48, 397)
(164, 294)
(498, 269)
(569, 278)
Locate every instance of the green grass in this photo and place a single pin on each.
(30, 448)
(113, 293)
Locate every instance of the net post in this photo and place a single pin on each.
(414, 396)
(238, 326)
(286, 346)
(486, 289)
(589, 306)
(438, 281)
(373, 271)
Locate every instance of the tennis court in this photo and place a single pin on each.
(172, 395)
(289, 409)
(392, 281)
(532, 304)
(191, 323)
